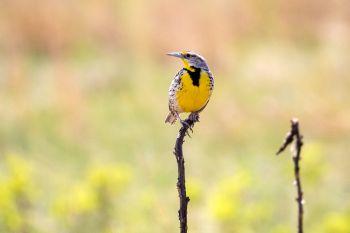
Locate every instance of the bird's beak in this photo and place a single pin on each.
(175, 54)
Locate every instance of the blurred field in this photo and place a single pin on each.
(83, 97)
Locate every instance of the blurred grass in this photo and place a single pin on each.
(83, 94)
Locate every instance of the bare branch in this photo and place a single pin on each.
(294, 135)
(181, 181)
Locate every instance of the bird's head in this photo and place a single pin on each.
(191, 60)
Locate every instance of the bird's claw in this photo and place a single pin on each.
(194, 116)
(189, 126)
(184, 123)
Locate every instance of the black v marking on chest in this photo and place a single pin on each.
(195, 75)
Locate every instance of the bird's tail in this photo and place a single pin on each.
(171, 118)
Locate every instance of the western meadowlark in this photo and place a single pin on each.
(191, 88)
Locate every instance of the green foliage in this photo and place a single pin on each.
(194, 190)
(337, 222)
(315, 163)
(17, 194)
(94, 199)
(226, 201)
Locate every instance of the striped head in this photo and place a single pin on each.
(191, 60)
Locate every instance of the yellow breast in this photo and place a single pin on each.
(190, 97)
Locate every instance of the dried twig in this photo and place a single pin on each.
(181, 185)
(294, 135)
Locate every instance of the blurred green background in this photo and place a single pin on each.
(83, 98)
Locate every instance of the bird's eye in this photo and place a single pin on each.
(187, 55)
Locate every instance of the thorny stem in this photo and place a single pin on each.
(294, 135)
(181, 182)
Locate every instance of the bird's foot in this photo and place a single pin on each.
(185, 123)
(194, 116)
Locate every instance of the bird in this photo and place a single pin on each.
(191, 88)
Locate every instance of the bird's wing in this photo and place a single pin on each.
(211, 81)
(174, 86)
